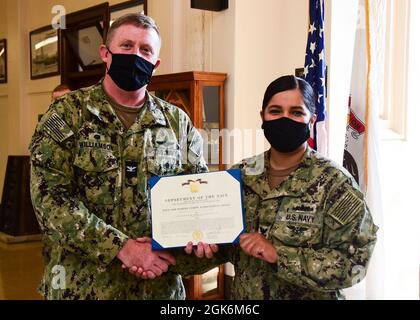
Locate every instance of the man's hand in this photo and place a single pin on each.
(202, 249)
(137, 255)
(256, 245)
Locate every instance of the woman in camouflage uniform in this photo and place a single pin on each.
(309, 230)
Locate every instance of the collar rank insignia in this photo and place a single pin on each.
(130, 169)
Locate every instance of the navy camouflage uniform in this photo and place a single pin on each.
(89, 188)
(319, 224)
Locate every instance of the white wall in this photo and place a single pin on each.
(253, 42)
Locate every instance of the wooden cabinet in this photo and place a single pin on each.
(17, 217)
(81, 64)
(207, 286)
(202, 96)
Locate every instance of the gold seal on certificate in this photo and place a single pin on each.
(197, 235)
(204, 207)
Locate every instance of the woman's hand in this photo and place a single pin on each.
(256, 245)
(202, 249)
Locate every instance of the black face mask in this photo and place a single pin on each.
(129, 71)
(285, 134)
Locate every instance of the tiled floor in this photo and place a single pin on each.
(20, 270)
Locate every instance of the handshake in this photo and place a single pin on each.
(137, 256)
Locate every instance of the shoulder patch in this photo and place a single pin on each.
(57, 128)
(346, 207)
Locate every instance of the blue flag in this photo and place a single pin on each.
(315, 70)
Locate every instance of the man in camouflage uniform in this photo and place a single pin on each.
(90, 164)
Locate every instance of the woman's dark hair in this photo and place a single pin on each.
(291, 82)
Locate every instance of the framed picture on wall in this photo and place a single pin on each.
(299, 72)
(85, 42)
(132, 6)
(3, 61)
(45, 61)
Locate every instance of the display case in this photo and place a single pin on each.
(201, 95)
(17, 216)
(80, 62)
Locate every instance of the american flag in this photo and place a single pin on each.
(315, 72)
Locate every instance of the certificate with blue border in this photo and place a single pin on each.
(203, 207)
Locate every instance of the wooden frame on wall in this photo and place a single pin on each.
(3, 61)
(84, 42)
(126, 7)
(44, 52)
(73, 40)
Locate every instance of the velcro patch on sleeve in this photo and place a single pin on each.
(57, 128)
(346, 207)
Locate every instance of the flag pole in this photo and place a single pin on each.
(368, 47)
